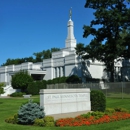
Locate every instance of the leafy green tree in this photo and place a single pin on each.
(111, 17)
(45, 54)
(39, 56)
(125, 35)
(18, 61)
(20, 80)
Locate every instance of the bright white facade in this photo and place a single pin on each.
(63, 63)
(6, 73)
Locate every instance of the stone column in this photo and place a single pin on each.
(61, 72)
(57, 71)
(54, 73)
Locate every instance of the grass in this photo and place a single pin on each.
(10, 106)
(118, 95)
(115, 102)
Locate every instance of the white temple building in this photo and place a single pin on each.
(63, 63)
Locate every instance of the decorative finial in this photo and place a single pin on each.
(70, 13)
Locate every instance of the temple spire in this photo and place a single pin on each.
(70, 41)
(70, 13)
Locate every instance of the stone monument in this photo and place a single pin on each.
(58, 101)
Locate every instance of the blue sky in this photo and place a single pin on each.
(28, 26)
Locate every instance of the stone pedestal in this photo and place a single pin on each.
(57, 101)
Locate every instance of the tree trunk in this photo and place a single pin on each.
(112, 76)
(112, 73)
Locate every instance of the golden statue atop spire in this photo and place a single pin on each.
(70, 13)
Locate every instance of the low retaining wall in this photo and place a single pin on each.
(57, 101)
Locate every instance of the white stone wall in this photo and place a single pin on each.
(96, 70)
(49, 73)
(57, 101)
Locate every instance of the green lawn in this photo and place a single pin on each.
(10, 106)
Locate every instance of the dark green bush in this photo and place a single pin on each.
(57, 80)
(17, 94)
(73, 79)
(29, 112)
(20, 80)
(98, 101)
(92, 80)
(62, 79)
(34, 87)
(50, 81)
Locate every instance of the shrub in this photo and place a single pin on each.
(57, 80)
(62, 79)
(49, 121)
(12, 119)
(98, 101)
(2, 84)
(17, 94)
(73, 79)
(109, 110)
(118, 109)
(39, 122)
(29, 112)
(49, 81)
(49, 124)
(97, 114)
(92, 80)
(87, 115)
(20, 80)
(34, 87)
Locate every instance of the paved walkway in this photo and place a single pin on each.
(65, 115)
(4, 96)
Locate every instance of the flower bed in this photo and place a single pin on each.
(90, 118)
(86, 121)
